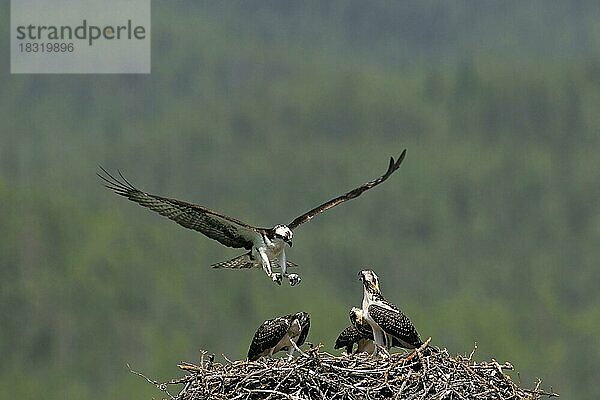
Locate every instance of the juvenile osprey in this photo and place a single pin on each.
(282, 333)
(361, 333)
(387, 322)
(265, 245)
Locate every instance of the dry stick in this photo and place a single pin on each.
(287, 396)
(417, 351)
(189, 367)
(160, 386)
(284, 379)
(541, 392)
(404, 383)
(473, 352)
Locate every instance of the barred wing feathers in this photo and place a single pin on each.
(226, 230)
(393, 166)
(347, 338)
(268, 334)
(396, 324)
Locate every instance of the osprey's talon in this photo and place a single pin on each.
(277, 278)
(294, 279)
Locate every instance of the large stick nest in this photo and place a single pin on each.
(320, 375)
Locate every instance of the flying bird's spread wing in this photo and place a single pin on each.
(396, 324)
(267, 336)
(226, 230)
(394, 165)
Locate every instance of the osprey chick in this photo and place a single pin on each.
(361, 333)
(389, 325)
(282, 333)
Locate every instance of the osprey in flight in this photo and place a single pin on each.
(285, 333)
(265, 245)
(389, 325)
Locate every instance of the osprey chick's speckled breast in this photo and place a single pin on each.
(285, 333)
(265, 245)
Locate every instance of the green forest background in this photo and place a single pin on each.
(488, 233)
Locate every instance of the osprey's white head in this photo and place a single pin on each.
(370, 282)
(284, 233)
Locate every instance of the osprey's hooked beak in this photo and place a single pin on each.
(360, 276)
(289, 242)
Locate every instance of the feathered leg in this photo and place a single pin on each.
(266, 264)
(294, 279)
(293, 347)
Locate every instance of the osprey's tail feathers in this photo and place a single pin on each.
(246, 261)
(240, 262)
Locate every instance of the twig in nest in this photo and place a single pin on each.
(161, 386)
